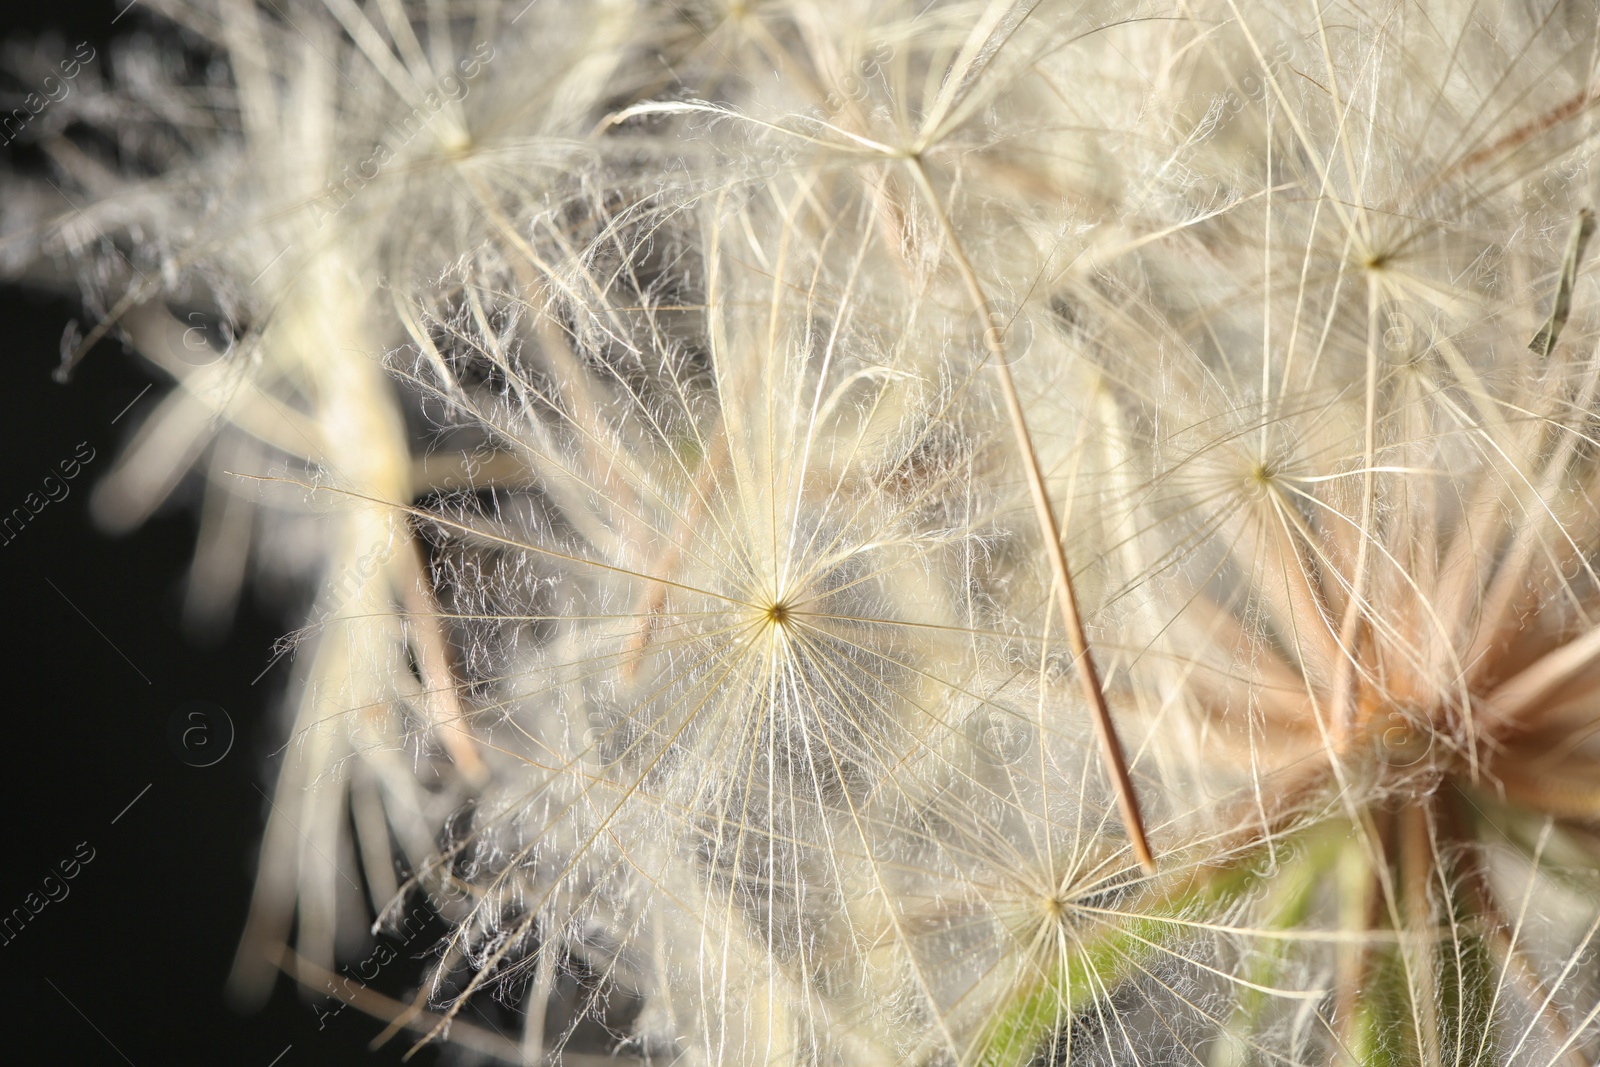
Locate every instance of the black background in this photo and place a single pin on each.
(130, 967)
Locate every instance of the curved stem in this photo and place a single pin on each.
(1111, 750)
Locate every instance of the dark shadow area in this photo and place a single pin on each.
(132, 845)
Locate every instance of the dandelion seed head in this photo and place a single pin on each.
(676, 421)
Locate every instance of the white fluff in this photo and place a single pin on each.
(650, 393)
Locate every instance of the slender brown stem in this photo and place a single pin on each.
(1110, 744)
(441, 703)
(654, 597)
(1567, 109)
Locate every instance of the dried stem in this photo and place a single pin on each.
(1111, 750)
